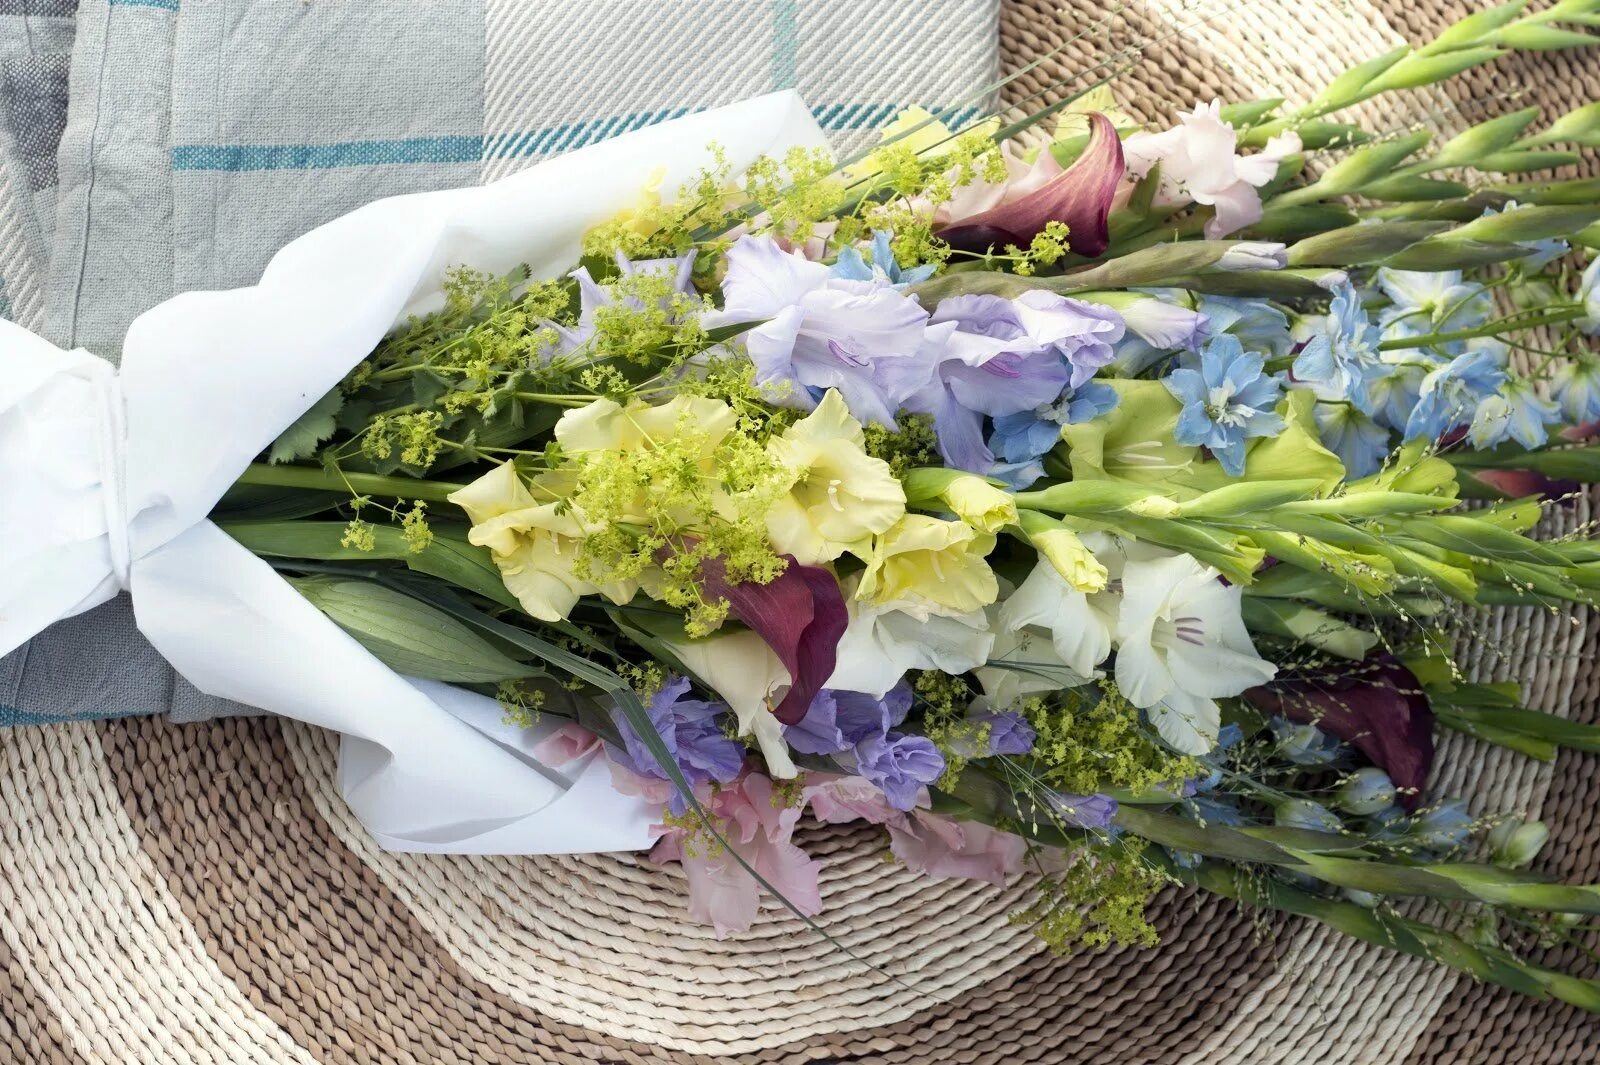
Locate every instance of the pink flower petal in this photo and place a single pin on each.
(939, 847)
(566, 744)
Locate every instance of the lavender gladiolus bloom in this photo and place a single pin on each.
(838, 720)
(1082, 811)
(1009, 732)
(1010, 356)
(819, 332)
(693, 736)
(899, 766)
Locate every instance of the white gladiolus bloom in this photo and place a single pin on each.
(882, 642)
(1181, 645)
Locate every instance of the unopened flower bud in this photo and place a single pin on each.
(1365, 899)
(1303, 813)
(1154, 506)
(1366, 791)
(1515, 844)
(1445, 827)
(1254, 255)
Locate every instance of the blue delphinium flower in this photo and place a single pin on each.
(1576, 387)
(1021, 439)
(1342, 360)
(1360, 442)
(853, 266)
(1259, 325)
(1444, 827)
(1228, 400)
(1304, 744)
(693, 734)
(1423, 303)
(1517, 412)
(1448, 396)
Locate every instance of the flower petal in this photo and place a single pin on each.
(1080, 196)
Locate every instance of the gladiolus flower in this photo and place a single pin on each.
(930, 566)
(841, 496)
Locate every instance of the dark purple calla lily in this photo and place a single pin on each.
(1520, 484)
(1379, 708)
(801, 615)
(1080, 196)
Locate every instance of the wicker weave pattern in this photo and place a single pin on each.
(199, 893)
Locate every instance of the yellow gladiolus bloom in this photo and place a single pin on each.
(534, 545)
(841, 496)
(930, 566)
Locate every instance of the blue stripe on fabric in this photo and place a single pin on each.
(467, 149)
(165, 5)
(785, 42)
(10, 718)
(326, 156)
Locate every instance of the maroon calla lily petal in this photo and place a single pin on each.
(1080, 196)
(801, 615)
(1581, 433)
(1379, 708)
(1520, 484)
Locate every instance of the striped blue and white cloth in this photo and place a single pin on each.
(199, 136)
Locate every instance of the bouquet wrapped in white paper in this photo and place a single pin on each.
(109, 476)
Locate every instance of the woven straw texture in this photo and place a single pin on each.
(200, 894)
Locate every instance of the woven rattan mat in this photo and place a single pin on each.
(200, 894)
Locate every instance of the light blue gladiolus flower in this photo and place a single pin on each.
(1517, 413)
(1576, 387)
(1229, 399)
(1360, 442)
(1449, 395)
(1342, 361)
(853, 266)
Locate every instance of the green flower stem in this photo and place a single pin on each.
(319, 479)
(1416, 938)
(1501, 325)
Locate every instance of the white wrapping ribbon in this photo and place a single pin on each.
(107, 478)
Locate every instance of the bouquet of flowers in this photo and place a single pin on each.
(1062, 496)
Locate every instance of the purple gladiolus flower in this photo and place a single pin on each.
(818, 332)
(899, 766)
(1082, 811)
(1006, 357)
(838, 720)
(693, 737)
(1009, 732)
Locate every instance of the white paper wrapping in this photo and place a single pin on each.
(107, 477)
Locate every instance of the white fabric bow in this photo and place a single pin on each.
(107, 478)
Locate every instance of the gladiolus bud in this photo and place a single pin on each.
(1515, 844)
(970, 497)
(1366, 791)
(1303, 813)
